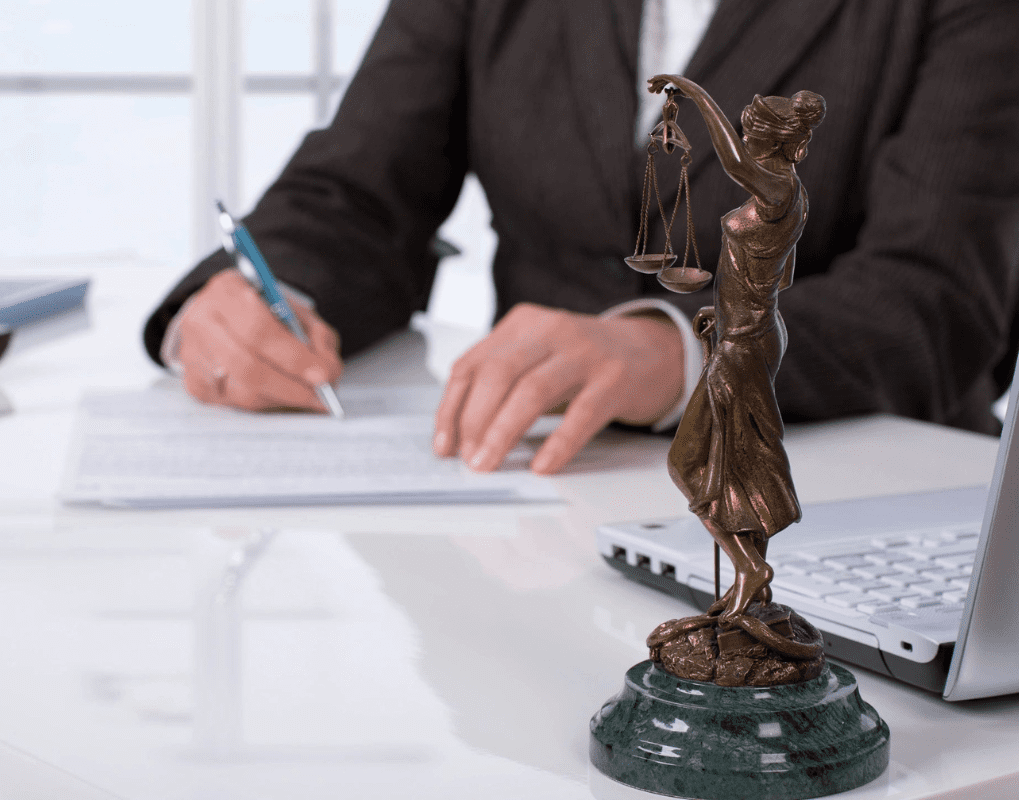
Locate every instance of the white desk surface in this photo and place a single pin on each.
(377, 652)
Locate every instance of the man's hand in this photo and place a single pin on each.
(621, 368)
(236, 353)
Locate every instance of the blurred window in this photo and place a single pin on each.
(124, 120)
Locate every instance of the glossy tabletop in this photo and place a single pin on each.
(384, 651)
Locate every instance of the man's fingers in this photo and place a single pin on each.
(473, 396)
(269, 339)
(489, 389)
(220, 370)
(446, 442)
(220, 366)
(478, 385)
(587, 414)
(628, 368)
(534, 394)
(240, 387)
(325, 341)
(235, 352)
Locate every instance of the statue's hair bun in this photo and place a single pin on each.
(809, 107)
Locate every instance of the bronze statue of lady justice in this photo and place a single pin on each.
(727, 457)
(691, 721)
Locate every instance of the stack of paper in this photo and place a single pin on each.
(161, 449)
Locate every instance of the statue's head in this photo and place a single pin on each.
(783, 123)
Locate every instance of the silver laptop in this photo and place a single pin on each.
(923, 588)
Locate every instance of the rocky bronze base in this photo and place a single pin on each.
(691, 739)
(734, 657)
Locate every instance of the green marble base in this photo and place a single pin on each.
(690, 739)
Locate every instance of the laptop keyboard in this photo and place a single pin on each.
(888, 573)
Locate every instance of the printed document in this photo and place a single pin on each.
(159, 448)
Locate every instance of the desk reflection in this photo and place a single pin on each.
(266, 662)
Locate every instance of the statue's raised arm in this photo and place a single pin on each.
(759, 161)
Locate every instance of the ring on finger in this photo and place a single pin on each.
(219, 377)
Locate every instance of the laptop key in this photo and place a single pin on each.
(832, 576)
(961, 534)
(931, 588)
(806, 586)
(889, 557)
(944, 551)
(873, 571)
(921, 602)
(799, 566)
(872, 606)
(957, 561)
(966, 535)
(898, 540)
(864, 584)
(848, 600)
(914, 565)
(893, 595)
(847, 562)
(904, 579)
(935, 573)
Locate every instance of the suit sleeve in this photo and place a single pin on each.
(913, 318)
(351, 218)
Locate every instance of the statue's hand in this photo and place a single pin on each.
(684, 86)
(704, 323)
(658, 83)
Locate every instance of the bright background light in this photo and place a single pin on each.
(98, 139)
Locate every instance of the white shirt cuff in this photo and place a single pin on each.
(692, 351)
(169, 349)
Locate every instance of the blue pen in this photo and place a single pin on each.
(252, 265)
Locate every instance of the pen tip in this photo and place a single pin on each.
(219, 205)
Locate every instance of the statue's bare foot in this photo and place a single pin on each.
(745, 589)
(763, 597)
(721, 604)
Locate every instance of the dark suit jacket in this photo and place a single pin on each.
(906, 277)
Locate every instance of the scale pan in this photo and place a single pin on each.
(650, 263)
(684, 279)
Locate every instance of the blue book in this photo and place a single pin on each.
(23, 301)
